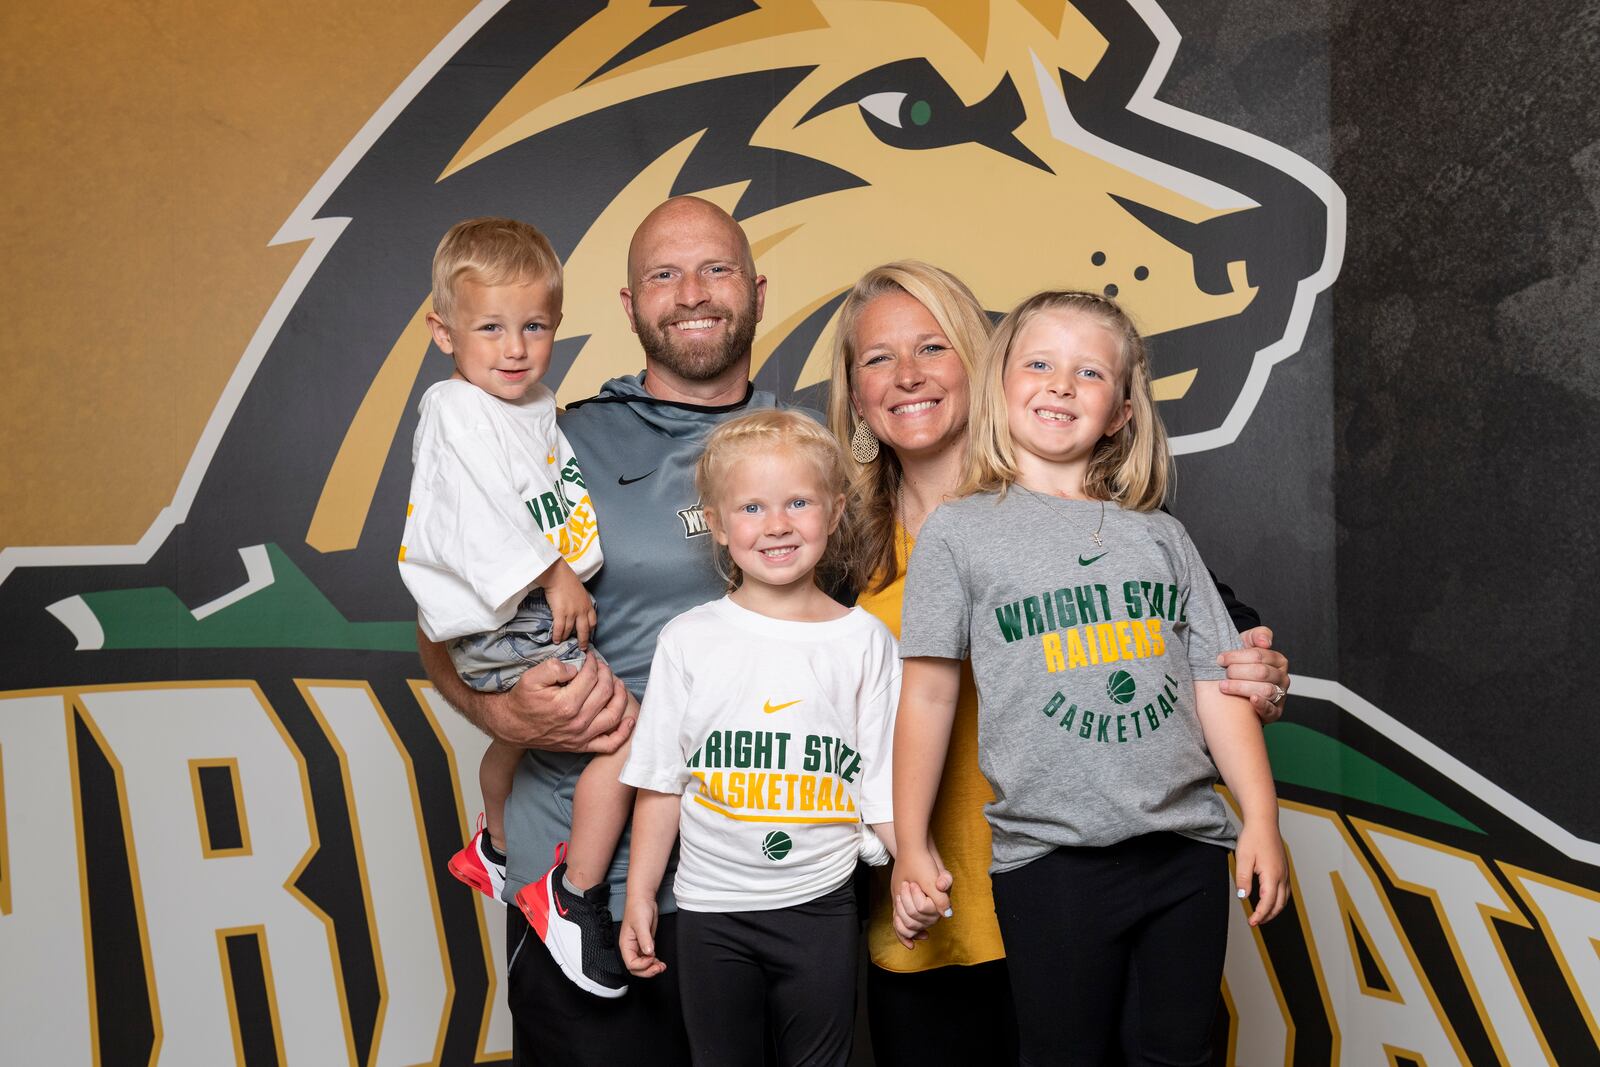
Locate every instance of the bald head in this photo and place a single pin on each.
(694, 299)
(687, 224)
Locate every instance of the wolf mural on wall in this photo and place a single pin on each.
(257, 798)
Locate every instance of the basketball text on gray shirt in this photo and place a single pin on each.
(1085, 657)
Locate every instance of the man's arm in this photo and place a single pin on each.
(554, 706)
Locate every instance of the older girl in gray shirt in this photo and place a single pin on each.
(1094, 632)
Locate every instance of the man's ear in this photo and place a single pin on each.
(627, 307)
(441, 333)
(761, 295)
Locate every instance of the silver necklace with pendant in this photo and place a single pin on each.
(1043, 497)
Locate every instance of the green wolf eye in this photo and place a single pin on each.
(907, 104)
(889, 107)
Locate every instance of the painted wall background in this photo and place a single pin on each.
(223, 822)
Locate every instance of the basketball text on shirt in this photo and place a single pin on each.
(744, 775)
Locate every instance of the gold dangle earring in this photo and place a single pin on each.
(863, 444)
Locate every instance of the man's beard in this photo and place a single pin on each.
(699, 361)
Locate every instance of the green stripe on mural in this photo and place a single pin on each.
(290, 613)
(1302, 756)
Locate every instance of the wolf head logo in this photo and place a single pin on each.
(1018, 143)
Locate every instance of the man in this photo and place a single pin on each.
(694, 299)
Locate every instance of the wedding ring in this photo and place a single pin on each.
(1278, 693)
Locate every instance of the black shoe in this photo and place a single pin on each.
(577, 930)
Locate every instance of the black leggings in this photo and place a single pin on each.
(1116, 953)
(955, 1016)
(793, 969)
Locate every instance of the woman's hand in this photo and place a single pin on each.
(1258, 672)
(1259, 857)
(637, 940)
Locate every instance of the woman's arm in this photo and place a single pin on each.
(655, 828)
(928, 693)
(1233, 734)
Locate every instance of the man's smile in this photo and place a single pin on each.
(695, 325)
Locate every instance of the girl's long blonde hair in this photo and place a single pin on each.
(875, 486)
(769, 431)
(1132, 467)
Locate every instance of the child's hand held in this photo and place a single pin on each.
(914, 913)
(945, 879)
(637, 940)
(920, 887)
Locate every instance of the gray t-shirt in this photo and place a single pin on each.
(1085, 658)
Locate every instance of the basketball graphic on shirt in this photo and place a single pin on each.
(1120, 687)
(776, 845)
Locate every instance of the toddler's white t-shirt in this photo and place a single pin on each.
(496, 498)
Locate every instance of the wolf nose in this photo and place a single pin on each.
(1211, 244)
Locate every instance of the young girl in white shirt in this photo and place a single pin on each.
(1094, 631)
(763, 745)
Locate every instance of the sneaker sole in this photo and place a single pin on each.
(560, 937)
(471, 875)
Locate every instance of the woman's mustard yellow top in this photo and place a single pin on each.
(972, 935)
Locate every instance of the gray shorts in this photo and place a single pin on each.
(492, 662)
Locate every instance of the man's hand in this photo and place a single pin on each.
(1257, 672)
(554, 707)
(571, 606)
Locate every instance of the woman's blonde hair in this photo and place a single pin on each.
(771, 431)
(1132, 467)
(875, 487)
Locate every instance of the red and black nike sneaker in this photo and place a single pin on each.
(577, 929)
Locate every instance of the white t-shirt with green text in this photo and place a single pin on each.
(777, 735)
